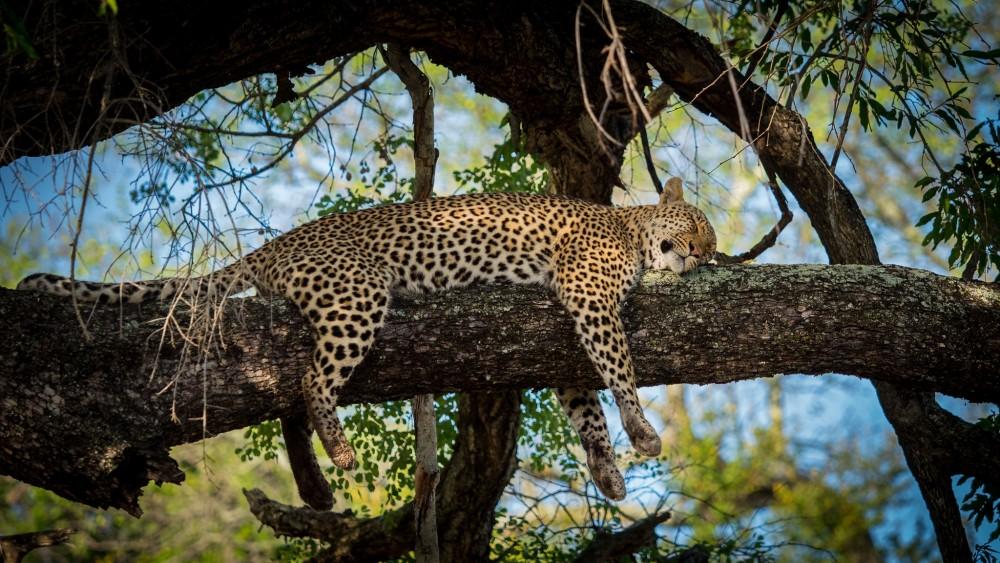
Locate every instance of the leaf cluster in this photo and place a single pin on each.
(982, 501)
(508, 169)
(968, 204)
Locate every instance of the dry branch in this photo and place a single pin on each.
(13, 548)
(621, 545)
(769, 238)
(84, 420)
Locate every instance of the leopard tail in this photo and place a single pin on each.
(226, 281)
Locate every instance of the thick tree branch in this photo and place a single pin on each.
(106, 431)
(691, 65)
(937, 445)
(528, 61)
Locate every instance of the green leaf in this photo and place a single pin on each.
(925, 219)
(956, 251)
(975, 54)
(974, 131)
(806, 84)
(943, 114)
(17, 36)
(930, 193)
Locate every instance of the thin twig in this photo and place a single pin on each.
(363, 85)
(758, 53)
(768, 240)
(583, 82)
(650, 166)
(866, 40)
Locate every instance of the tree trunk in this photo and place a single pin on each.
(107, 426)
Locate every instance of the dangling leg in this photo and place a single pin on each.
(599, 326)
(344, 334)
(584, 410)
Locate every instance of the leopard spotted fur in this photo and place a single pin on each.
(341, 271)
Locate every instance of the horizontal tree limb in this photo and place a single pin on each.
(93, 422)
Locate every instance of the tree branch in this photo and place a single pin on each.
(621, 545)
(14, 548)
(768, 240)
(46, 101)
(422, 102)
(487, 439)
(107, 431)
(693, 67)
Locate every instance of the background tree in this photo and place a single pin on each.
(214, 154)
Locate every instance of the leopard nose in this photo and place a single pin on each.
(693, 250)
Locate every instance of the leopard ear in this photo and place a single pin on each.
(672, 192)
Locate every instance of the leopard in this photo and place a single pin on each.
(342, 270)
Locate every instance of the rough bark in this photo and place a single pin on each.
(693, 67)
(938, 445)
(54, 103)
(425, 479)
(485, 447)
(106, 429)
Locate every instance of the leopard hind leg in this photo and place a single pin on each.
(583, 408)
(345, 321)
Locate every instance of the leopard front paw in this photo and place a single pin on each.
(644, 439)
(606, 476)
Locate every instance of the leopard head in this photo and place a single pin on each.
(679, 236)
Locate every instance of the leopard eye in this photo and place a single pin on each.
(665, 246)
